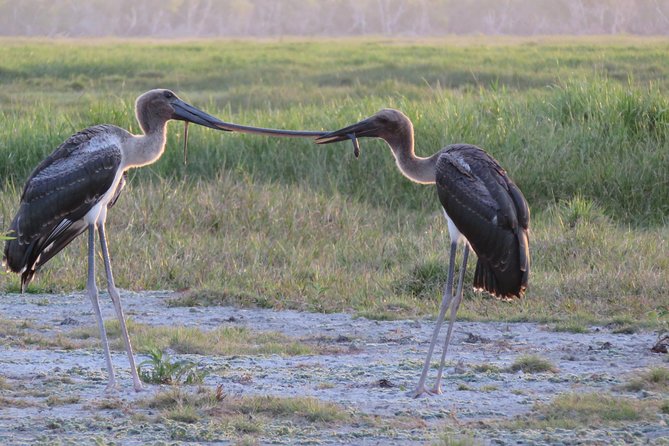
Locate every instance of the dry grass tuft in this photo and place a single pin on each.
(654, 379)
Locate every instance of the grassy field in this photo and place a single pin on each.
(582, 125)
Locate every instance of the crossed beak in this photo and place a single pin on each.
(186, 112)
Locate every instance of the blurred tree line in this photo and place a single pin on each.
(210, 18)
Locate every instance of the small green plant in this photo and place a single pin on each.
(163, 370)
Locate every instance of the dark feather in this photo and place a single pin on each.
(58, 194)
(491, 212)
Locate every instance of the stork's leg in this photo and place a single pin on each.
(445, 303)
(92, 291)
(116, 299)
(454, 312)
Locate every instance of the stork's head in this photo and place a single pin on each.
(387, 124)
(155, 107)
(161, 105)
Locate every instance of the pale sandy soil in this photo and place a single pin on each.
(367, 353)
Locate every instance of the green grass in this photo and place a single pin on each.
(580, 124)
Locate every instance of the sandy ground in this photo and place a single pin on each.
(375, 365)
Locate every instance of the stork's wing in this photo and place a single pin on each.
(491, 212)
(58, 194)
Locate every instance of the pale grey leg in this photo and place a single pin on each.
(116, 299)
(92, 291)
(454, 312)
(445, 302)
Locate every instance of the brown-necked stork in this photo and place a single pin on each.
(72, 189)
(484, 209)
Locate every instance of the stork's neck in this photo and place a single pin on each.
(146, 149)
(415, 168)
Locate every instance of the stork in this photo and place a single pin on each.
(73, 188)
(484, 209)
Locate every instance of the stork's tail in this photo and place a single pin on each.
(14, 260)
(14, 256)
(486, 280)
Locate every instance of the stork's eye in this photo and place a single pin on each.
(168, 95)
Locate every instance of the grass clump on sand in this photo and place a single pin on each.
(310, 409)
(532, 364)
(55, 400)
(586, 410)
(247, 414)
(655, 379)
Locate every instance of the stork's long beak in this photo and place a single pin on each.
(186, 112)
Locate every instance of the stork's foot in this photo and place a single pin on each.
(420, 391)
(138, 386)
(436, 390)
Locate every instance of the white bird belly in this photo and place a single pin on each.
(98, 213)
(454, 233)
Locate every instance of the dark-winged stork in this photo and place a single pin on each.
(484, 209)
(72, 189)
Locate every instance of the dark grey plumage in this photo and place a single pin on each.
(58, 194)
(492, 214)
